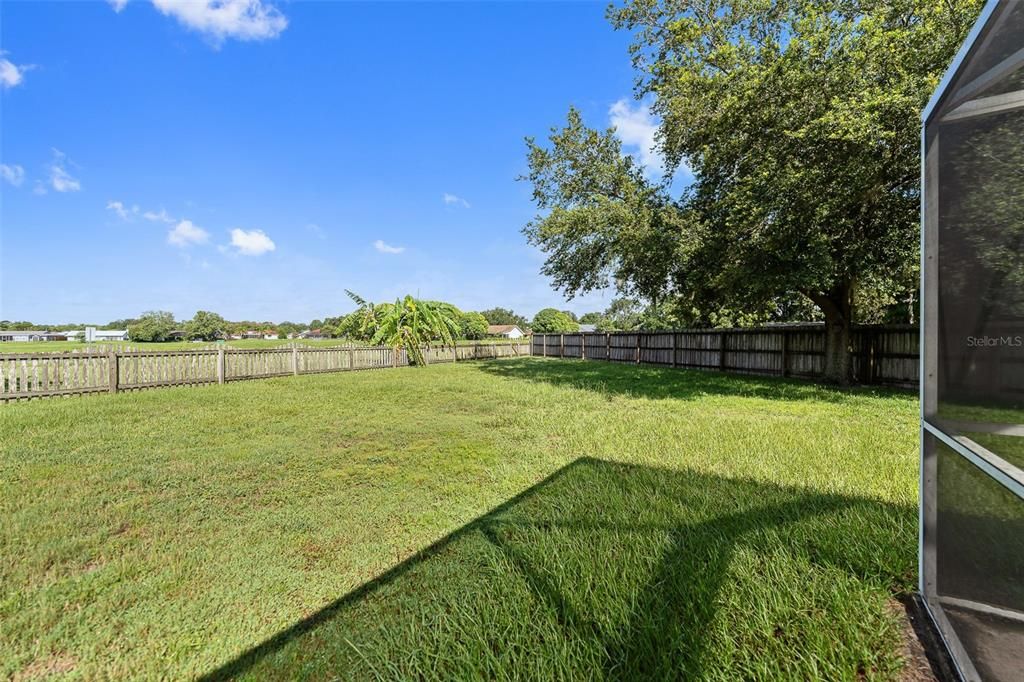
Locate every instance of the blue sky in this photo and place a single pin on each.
(258, 158)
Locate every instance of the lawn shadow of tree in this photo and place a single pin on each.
(655, 382)
(614, 571)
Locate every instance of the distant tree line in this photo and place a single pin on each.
(623, 314)
(205, 325)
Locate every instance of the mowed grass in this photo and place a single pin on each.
(591, 520)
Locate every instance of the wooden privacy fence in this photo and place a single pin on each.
(881, 354)
(38, 375)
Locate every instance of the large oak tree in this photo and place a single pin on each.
(799, 120)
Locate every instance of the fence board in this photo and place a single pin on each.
(883, 354)
(37, 375)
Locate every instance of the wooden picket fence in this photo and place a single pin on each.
(36, 375)
(882, 354)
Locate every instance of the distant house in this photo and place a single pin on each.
(509, 331)
(251, 334)
(177, 335)
(270, 336)
(313, 334)
(588, 328)
(94, 335)
(23, 335)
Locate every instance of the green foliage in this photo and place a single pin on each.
(504, 316)
(601, 221)
(448, 309)
(410, 324)
(351, 326)
(623, 314)
(154, 325)
(799, 121)
(113, 324)
(591, 318)
(551, 321)
(205, 325)
(286, 328)
(362, 324)
(19, 325)
(473, 326)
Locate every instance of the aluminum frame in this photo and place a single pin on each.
(954, 68)
(931, 432)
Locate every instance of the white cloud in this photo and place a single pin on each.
(251, 242)
(636, 128)
(160, 217)
(451, 199)
(39, 189)
(60, 179)
(118, 208)
(222, 19)
(185, 234)
(13, 174)
(118, 5)
(132, 212)
(387, 248)
(12, 74)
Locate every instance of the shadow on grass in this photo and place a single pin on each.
(666, 382)
(606, 570)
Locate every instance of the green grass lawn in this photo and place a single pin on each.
(522, 518)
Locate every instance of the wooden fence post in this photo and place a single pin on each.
(561, 345)
(608, 346)
(674, 363)
(544, 348)
(220, 365)
(638, 348)
(112, 361)
(295, 361)
(583, 346)
(873, 357)
(722, 336)
(785, 352)
(351, 358)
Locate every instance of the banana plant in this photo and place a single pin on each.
(410, 324)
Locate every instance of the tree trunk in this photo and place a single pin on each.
(838, 368)
(837, 306)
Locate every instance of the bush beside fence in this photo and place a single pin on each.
(38, 375)
(881, 354)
